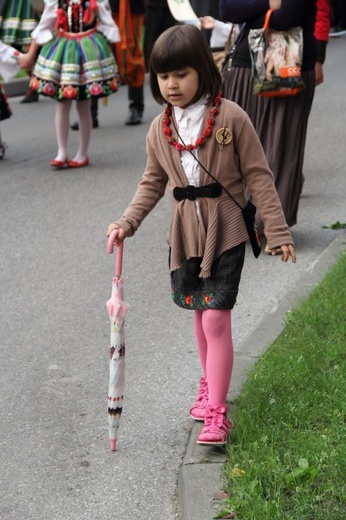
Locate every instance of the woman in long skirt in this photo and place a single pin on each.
(281, 123)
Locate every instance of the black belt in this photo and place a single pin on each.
(193, 192)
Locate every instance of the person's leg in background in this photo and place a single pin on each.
(338, 15)
(62, 114)
(157, 19)
(136, 105)
(94, 115)
(85, 124)
(130, 58)
(2, 147)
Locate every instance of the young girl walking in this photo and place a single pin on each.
(201, 134)
(75, 62)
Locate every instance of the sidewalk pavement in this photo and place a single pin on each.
(16, 86)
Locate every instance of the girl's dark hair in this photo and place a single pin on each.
(179, 47)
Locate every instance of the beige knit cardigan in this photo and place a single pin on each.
(220, 225)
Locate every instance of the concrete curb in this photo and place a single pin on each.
(200, 479)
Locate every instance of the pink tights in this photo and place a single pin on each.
(215, 347)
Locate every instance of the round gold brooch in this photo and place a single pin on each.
(224, 136)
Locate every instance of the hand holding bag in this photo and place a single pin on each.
(276, 60)
(220, 54)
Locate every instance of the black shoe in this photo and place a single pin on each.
(75, 125)
(134, 117)
(2, 150)
(31, 96)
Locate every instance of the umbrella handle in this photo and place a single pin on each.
(110, 249)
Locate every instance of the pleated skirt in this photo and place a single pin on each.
(281, 124)
(71, 67)
(219, 291)
(17, 21)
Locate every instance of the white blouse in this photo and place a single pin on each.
(189, 122)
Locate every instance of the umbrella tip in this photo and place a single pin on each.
(112, 444)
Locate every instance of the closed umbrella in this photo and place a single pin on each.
(117, 310)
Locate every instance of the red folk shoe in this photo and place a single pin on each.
(78, 164)
(216, 426)
(197, 411)
(56, 163)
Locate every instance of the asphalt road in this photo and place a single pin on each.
(55, 277)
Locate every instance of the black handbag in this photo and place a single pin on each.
(249, 213)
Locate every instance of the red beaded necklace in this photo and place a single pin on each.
(205, 134)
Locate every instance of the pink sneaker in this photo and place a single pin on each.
(197, 411)
(216, 426)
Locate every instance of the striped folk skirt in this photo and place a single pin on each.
(5, 110)
(17, 21)
(75, 66)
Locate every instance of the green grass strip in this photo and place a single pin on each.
(287, 453)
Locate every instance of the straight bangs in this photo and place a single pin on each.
(179, 47)
(173, 55)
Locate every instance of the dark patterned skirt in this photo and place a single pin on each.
(219, 291)
(75, 66)
(17, 21)
(5, 111)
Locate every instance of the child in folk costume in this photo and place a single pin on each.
(207, 230)
(8, 68)
(75, 62)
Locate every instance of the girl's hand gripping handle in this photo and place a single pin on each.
(110, 250)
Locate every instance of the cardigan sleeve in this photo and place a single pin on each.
(149, 191)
